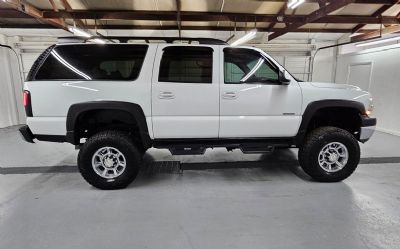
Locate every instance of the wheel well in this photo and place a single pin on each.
(346, 118)
(91, 122)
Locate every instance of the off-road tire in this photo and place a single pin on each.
(116, 140)
(315, 142)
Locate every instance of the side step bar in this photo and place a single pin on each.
(195, 146)
(254, 149)
(200, 150)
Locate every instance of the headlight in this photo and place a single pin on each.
(370, 107)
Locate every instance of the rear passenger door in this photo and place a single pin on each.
(185, 92)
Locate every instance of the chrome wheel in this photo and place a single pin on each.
(333, 157)
(108, 162)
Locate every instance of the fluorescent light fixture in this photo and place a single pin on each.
(98, 40)
(247, 37)
(291, 3)
(295, 3)
(374, 42)
(79, 32)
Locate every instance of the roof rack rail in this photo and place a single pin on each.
(125, 39)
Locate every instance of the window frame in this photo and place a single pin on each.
(43, 60)
(160, 58)
(266, 60)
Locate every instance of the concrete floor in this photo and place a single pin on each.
(222, 200)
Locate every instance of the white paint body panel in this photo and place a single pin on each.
(260, 110)
(192, 111)
(195, 110)
(52, 99)
(313, 91)
(47, 125)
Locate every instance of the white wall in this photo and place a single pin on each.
(11, 108)
(324, 63)
(384, 82)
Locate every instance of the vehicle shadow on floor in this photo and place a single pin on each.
(281, 163)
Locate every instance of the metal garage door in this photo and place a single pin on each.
(298, 66)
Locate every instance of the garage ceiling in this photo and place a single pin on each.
(272, 16)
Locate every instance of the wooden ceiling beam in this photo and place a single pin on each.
(55, 8)
(314, 16)
(278, 16)
(69, 9)
(378, 13)
(175, 27)
(13, 13)
(34, 12)
(376, 33)
(178, 16)
(194, 16)
(386, 2)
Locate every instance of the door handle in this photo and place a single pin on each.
(229, 95)
(166, 95)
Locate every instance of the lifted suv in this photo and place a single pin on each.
(115, 101)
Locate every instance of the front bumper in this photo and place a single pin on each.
(26, 134)
(368, 126)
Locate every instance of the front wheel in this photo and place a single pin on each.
(109, 160)
(329, 154)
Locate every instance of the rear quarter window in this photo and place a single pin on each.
(93, 62)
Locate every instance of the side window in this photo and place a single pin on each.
(93, 62)
(233, 73)
(186, 64)
(243, 65)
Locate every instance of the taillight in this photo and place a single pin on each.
(27, 98)
(27, 103)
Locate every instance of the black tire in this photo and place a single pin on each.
(315, 141)
(123, 144)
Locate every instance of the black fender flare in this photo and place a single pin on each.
(135, 110)
(313, 107)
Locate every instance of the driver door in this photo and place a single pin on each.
(253, 103)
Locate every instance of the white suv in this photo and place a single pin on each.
(114, 101)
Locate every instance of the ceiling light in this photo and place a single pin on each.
(79, 32)
(369, 43)
(295, 3)
(98, 40)
(247, 37)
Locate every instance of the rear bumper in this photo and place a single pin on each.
(368, 126)
(26, 134)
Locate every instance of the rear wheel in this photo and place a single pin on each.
(109, 160)
(329, 154)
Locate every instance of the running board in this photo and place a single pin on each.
(254, 149)
(187, 150)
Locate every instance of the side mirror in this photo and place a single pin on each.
(282, 78)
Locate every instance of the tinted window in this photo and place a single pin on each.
(186, 65)
(93, 62)
(248, 66)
